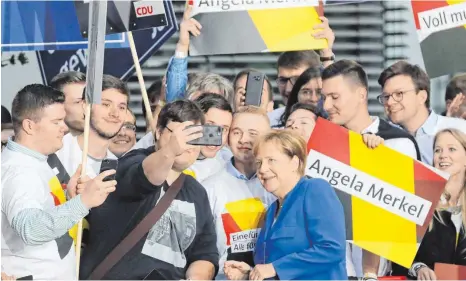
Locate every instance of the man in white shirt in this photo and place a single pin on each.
(345, 93)
(106, 121)
(35, 229)
(406, 99)
(236, 196)
(72, 84)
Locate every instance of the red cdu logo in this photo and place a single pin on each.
(144, 9)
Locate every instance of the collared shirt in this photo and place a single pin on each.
(426, 134)
(275, 117)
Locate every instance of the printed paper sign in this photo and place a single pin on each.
(388, 197)
(441, 28)
(251, 26)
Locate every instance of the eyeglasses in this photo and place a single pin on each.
(397, 96)
(128, 126)
(282, 81)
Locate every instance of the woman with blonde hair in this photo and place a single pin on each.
(303, 235)
(445, 240)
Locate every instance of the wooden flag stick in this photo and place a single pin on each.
(142, 85)
(87, 123)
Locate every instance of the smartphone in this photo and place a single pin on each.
(109, 164)
(254, 86)
(212, 135)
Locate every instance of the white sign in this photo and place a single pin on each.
(148, 8)
(244, 241)
(442, 18)
(211, 6)
(368, 188)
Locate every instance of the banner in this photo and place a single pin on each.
(253, 26)
(388, 197)
(441, 28)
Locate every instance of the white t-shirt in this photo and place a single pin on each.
(26, 184)
(70, 156)
(146, 141)
(237, 205)
(275, 116)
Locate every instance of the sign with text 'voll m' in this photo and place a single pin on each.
(45, 25)
(388, 197)
(250, 26)
(441, 28)
(117, 62)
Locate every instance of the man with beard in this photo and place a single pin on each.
(72, 83)
(106, 121)
(126, 137)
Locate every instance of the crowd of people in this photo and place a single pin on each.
(241, 210)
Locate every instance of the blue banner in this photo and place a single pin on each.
(117, 62)
(45, 25)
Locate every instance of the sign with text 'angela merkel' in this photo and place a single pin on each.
(388, 197)
(253, 26)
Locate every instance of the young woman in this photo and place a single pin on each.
(302, 119)
(307, 89)
(298, 241)
(445, 240)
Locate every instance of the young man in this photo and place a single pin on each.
(126, 137)
(181, 245)
(106, 121)
(36, 238)
(72, 83)
(217, 111)
(406, 92)
(345, 93)
(237, 187)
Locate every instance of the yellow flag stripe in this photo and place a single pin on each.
(374, 228)
(246, 213)
(288, 28)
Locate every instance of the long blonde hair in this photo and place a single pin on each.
(461, 138)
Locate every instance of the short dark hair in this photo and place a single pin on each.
(180, 111)
(304, 106)
(111, 82)
(210, 100)
(456, 85)
(30, 101)
(245, 72)
(296, 59)
(6, 116)
(348, 69)
(69, 77)
(304, 78)
(153, 94)
(418, 76)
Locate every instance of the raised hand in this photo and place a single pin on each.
(188, 26)
(372, 141)
(72, 185)
(454, 108)
(95, 191)
(182, 135)
(325, 32)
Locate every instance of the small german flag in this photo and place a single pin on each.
(388, 197)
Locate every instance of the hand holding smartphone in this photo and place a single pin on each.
(254, 86)
(109, 164)
(212, 135)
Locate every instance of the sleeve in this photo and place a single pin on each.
(132, 183)
(23, 204)
(204, 245)
(328, 239)
(177, 78)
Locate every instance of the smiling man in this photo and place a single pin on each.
(126, 137)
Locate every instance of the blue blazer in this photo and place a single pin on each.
(308, 239)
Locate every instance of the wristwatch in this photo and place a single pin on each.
(324, 59)
(369, 276)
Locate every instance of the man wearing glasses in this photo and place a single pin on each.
(405, 97)
(126, 137)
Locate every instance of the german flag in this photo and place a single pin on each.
(388, 198)
(444, 51)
